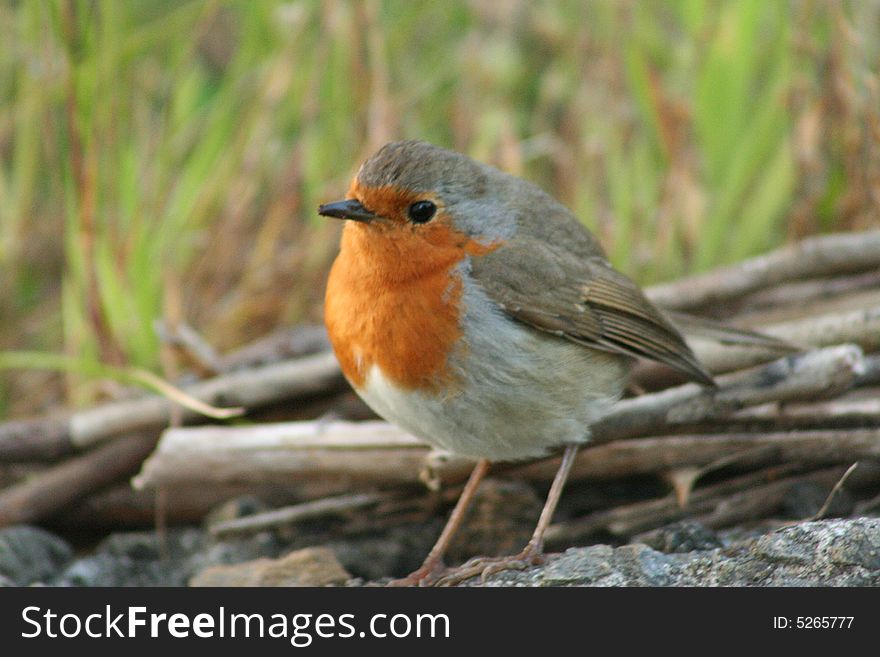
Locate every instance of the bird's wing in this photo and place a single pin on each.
(583, 300)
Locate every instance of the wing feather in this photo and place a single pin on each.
(584, 300)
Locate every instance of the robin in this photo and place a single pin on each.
(473, 310)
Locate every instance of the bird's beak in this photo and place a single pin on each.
(347, 209)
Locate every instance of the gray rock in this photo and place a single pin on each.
(685, 536)
(145, 559)
(823, 553)
(135, 559)
(29, 555)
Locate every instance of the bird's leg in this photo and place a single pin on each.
(434, 561)
(533, 553)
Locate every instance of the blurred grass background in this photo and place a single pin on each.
(164, 159)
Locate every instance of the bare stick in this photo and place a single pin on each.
(297, 513)
(55, 488)
(825, 372)
(284, 344)
(183, 336)
(827, 255)
(834, 413)
(43, 438)
(840, 482)
(796, 309)
(255, 387)
(647, 455)
(353, 451)
(377, 454)
(808, 291)
(121, 506)
(37, 439)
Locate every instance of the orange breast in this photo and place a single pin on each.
(394, 301)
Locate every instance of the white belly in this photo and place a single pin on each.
(522, 392)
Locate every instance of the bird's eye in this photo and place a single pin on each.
(421, 211)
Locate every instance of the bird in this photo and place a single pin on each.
(470, 308)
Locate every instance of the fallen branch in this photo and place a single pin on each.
(797, 310)
(828, 414)
(804, 293)
(57, 487)
(373, 454)
(286, 381)
(290, 515)
(288, 451)
(255, 387)
(38, 439)
(810, 375)
(122, 506)
(282, 345)
(836, 489)
(647, 455)
(828, 255)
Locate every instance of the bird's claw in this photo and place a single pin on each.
(485, 567)
(427, 575)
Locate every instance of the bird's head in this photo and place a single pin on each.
(423, 202)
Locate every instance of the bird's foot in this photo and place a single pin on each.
(485, 567)
(427, 575)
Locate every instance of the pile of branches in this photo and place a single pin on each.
(310, 447)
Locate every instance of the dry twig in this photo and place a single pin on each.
(57, 487)
(290, 515)
(827, 255)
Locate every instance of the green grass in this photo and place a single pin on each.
(164, 159)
